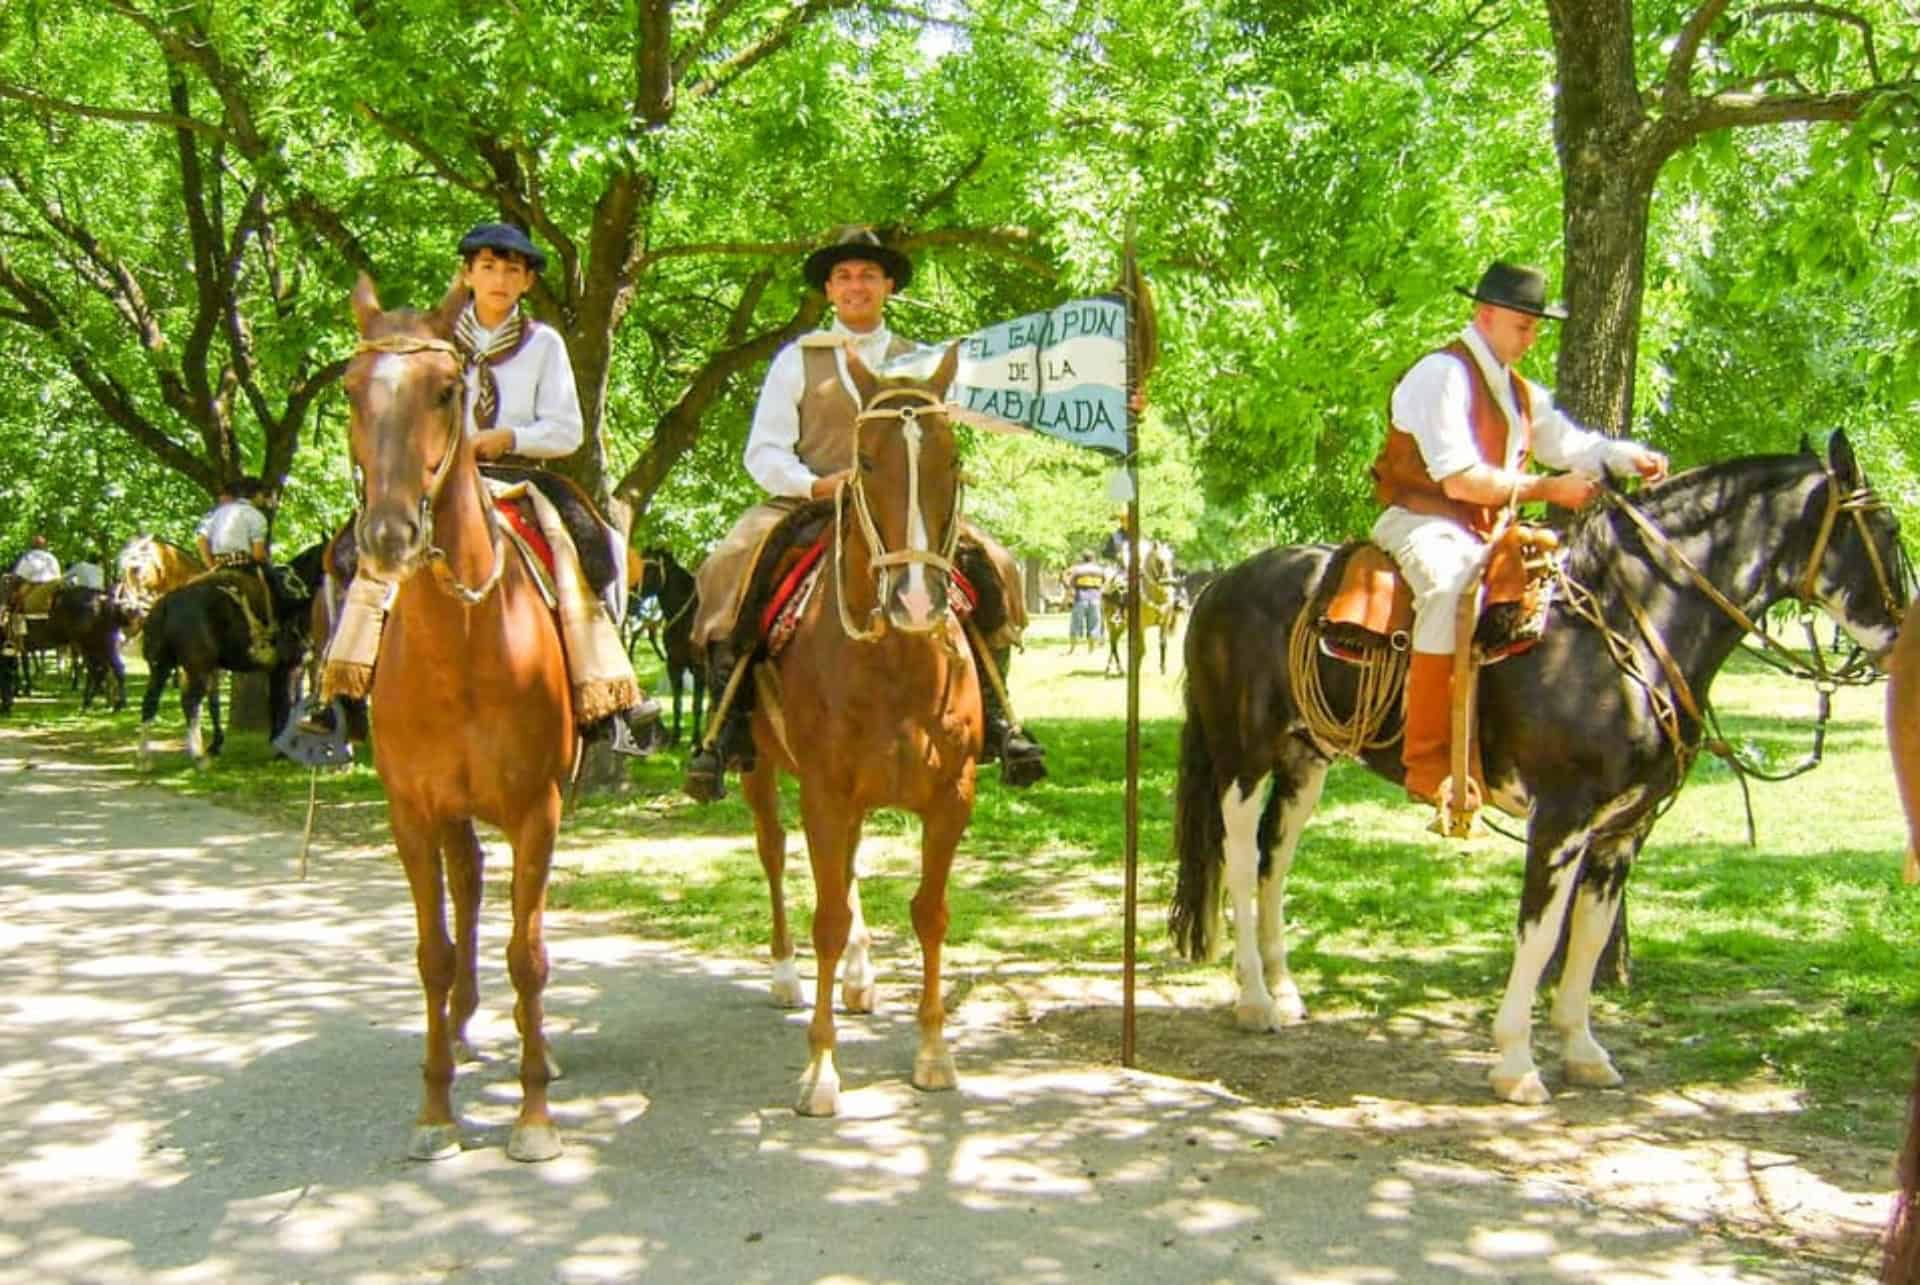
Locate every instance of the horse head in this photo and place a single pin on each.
(1858, 570)
(905, 494)
(407, 426)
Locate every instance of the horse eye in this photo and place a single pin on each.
(445, 397)
(866, 462)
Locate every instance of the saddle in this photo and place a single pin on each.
(1370, 607)
(577, 512)
(787, 566)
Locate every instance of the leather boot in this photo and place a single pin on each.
(731, 744)
(1424, 747)
(1022, 759)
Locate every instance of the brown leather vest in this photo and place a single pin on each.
(828, 411)
(1400, 473)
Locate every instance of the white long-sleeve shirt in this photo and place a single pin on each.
(538, 400)
(771, 457)
(1433, 401)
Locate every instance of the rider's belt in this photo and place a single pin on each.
(241, 559)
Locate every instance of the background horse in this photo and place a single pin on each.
(151, 568)
(1568, 739)
(1163, 602)
(202, 629)
(90, 623)
(475, 716)
(671, 585)
(873, 703)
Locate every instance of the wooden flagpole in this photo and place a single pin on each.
(1130, 275)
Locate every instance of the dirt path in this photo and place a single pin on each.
(207, 1071)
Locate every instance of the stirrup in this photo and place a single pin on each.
(307, 739)
(1464, 824)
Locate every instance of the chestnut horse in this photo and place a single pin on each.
(874, 703)
(1902, 1261)
(475, 719)
(150, 569)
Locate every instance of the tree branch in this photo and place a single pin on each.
(653, 70)
(785, 28)
(1010, 243)
(1448, 54)
(1673, 86)
(717, 14)
(678, 429)
(123, 115)
(1832, 13)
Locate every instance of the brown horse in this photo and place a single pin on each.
(1902, 1260)
(475, 719)
(1163, 603)
(873, 704)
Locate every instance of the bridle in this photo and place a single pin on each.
(435, 556)
(1678, 696)
(880, 558)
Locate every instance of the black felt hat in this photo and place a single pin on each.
(1522, 289)
(502, 238)
(858, 243)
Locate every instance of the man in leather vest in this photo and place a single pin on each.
(800, 448)
(1463, 426)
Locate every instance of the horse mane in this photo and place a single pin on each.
(1680, 506)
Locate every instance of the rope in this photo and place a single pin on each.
(1381, 676)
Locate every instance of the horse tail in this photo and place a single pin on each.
(1199, 842)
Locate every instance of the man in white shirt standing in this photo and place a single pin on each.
(1463, 426)
(800, 448)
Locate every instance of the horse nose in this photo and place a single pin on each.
(917, 600)
(391, 537)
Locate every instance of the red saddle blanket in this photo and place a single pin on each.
(788, 596)
(519, 516)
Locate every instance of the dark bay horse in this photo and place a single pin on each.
(874, 704)
(672, 586)
(201, 629)
(1569, 740)
(1163, 603)
(475, 717)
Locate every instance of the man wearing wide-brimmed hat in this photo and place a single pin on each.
(1463, 426)
(800, 448)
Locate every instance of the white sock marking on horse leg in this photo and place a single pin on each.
(1585, 1061)
(1287, 1005)
(196, 750)
(858, 991)
(1514, 1077)
(1253, 1008)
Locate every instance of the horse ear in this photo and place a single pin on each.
(1806, 444)
(943, 374)
(452, 303)
(863, 379)
(1841, 461)
(365, 302)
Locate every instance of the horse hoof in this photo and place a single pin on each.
(819, 1093)
(533, 1143)
(553, 1068)
(859, 999)
(1272, 1016)
(434, 1142)
(787, 993)
(1593, 1075)
(463, 1054)
(1522, 1090)
(933, 1072)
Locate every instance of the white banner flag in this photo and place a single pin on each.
(1062, 372)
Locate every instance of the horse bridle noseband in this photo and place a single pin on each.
(880, 558)
(436, 557)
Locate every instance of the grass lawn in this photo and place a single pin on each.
(1797, 961)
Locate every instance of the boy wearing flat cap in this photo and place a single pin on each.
(1463, 426)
